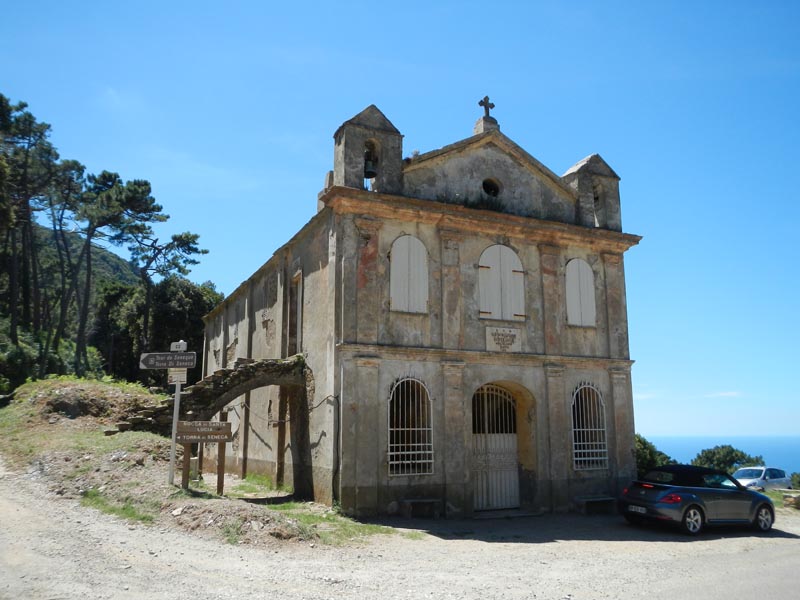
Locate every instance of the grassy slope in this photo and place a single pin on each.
(124, 474)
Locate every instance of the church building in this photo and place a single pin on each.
(463, 314)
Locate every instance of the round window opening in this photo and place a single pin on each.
(491, 187)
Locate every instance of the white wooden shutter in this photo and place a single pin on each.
(489, 283)
(573, 293)
(408, 280)
(417, 275)
(398, 276)
(586, 281)
(512, 285)
(580, 293)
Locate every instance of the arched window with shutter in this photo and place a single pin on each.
(580, 294)
(408, 278)
(501, 283)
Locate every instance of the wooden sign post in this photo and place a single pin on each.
(177, 359)
(204, 432)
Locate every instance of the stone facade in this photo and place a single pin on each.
(463, 313)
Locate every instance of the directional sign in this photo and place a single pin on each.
(167, 360)
(193, 432)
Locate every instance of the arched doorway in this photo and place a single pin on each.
(495, 461)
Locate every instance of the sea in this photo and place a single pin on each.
(781, 452)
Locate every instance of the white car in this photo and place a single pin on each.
(763, 478)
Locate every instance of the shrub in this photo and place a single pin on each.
(725, 458)
(648, 456)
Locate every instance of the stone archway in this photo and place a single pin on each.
(494, 449)
(504, 473)
(211, 394)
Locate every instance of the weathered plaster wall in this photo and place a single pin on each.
(458, 179)
(543, 396)
(254, 323)
(453, 319)
(447, 349)
(312, 253)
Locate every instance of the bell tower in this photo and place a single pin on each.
(598, 193)
(368, 153)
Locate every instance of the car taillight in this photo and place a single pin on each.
(625, 491)
(648, 485)
(671, 499)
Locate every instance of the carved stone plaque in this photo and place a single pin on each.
(503, 339)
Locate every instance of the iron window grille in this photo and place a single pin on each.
(493, 411)
(589, 442)
(410, 429)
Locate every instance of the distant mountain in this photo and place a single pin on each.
(105, 264)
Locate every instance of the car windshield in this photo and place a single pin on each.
(748, 473)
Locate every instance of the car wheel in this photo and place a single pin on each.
(764, 518)
(692, 521)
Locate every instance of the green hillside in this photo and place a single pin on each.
(106, 265)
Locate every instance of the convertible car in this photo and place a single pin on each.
(694, 497)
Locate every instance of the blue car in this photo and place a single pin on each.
(694, 497)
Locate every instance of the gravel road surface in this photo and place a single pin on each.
(52, 548)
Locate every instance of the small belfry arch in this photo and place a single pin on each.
(371, 163)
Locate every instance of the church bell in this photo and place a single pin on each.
(370, 171)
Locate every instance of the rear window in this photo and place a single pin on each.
(683, 478)
(657, 476)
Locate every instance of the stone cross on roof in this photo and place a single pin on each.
(486, 105)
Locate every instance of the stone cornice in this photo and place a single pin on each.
(457, 218)
(368, 225)
(453, 365)
(367, 361)
(450, 357)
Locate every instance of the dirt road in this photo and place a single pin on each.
(52, 548)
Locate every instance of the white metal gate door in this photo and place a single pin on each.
(494, 449)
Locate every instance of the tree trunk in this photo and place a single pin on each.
(148, 301)
(25, 270)
(13, 290)
(80, 340)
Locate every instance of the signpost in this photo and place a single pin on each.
(203, 432)
(177, 359)
(175, 376)
(167, 360)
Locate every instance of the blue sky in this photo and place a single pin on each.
(229, 110)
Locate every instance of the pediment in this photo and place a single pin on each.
(370, 118)
(488, 145)
(489, 171)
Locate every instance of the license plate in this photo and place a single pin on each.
(637, 509)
